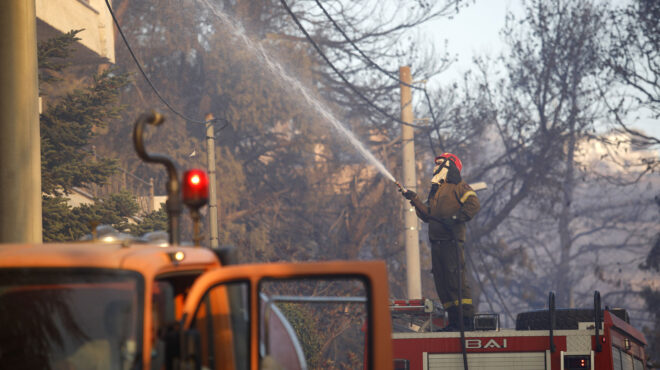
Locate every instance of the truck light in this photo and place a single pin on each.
(486, 321)
(577, 362)
(176, 257)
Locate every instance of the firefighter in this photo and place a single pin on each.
(450, 204)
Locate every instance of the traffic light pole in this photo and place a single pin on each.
(20, 157)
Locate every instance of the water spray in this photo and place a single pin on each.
(282, 76)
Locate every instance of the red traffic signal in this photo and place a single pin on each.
(195, 188)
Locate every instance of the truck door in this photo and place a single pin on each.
(288, 316)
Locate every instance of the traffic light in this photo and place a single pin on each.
(195, 188)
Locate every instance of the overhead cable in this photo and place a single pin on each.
(341, 76)
(130, 51)
(374, 64)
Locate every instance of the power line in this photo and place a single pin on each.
(374, 64)
(341, 76)
(130, 50)
(98, 156)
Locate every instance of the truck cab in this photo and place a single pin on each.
(135, 306)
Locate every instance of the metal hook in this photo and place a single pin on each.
(173, 203)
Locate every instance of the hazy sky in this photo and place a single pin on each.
(475, 30)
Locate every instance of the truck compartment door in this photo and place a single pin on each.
(491, 361)
(292, 316)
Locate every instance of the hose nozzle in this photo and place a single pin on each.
(401, 188)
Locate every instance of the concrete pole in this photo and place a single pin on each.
(413, 273)
(213, 208)
(152, 206)
(20, 158)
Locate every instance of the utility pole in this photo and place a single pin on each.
(213, 207)
(413, 274)
(151, 206)
(20, 157)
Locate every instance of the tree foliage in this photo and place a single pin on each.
(289, 187)
(634, 60)
(63, 222)
(153, 221)
(535, 136)
(634, 56)
(67, 125)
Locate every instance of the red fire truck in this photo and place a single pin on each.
(552, 339)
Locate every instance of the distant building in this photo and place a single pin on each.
(611, 151)
(97, 44)
(96, 48)
(79, 196)
(151, 203)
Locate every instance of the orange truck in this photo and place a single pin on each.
(138, 306)
(125, 304)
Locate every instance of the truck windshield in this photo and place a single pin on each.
(70, 319)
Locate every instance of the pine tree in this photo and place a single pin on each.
(66, 126)
(156, 220)
(69, 123)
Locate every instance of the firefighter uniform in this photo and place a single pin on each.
(448, 208)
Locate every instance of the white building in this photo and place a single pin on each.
(97, 43)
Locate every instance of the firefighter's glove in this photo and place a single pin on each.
(409, 194)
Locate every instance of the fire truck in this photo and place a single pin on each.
(119, 303)
(550, 339)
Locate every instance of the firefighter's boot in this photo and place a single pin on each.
(468, 317)
(452, 317)
(468, 323)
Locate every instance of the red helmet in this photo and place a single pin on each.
(452, 158)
